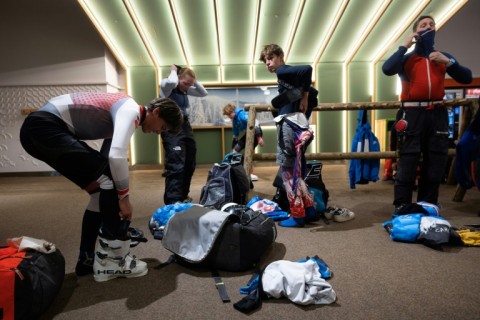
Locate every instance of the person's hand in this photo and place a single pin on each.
(439, 57)
(304, 103)
(410, 40)
(260, 141)
(126, 209)
(173, 68)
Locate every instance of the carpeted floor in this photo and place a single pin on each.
(374, 277)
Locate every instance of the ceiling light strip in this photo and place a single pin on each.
(329, 35)
(296, 22)
(179, 31)
(138, 26)
(381, 10)
(401, 30)
(104, 34)
(217, 30)
(255, 39)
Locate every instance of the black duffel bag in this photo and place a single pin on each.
(29, 280)
(231, 240)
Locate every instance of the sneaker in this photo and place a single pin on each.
(329, 213)
(339, 214)
(253, 177)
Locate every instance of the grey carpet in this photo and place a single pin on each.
(374, 277)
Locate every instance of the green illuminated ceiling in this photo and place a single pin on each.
(221, 39)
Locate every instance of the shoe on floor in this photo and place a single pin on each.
(339, 214)
(253, 177)
(292, 223)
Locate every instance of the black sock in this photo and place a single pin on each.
(113, 226)
(90, 225)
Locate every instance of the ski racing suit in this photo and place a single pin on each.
(180, 149)
(55, 134)
(426, 130)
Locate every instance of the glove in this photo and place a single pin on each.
(250, 287)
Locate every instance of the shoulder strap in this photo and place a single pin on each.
(220, 285)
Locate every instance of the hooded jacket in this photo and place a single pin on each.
(362, 171)
(239, 121)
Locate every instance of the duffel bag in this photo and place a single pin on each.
(29, 279)
(234, 240)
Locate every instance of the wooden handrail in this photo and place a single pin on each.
(354, 106)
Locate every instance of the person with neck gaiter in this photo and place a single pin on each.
(422, 121)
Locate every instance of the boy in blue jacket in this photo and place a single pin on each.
(239, 119)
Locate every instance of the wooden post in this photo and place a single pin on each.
(250, 135)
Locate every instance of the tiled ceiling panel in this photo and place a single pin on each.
(236, 28)
(197, 26)
(353, 22)
(112, 19)
(158, 23)
(312, 30)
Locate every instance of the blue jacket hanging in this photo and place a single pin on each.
(364, 170)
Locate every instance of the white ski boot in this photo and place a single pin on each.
(113, 260)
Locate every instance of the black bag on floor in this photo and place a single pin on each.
(226, 182)
(29, 282)
(316, 185)
(231, 241)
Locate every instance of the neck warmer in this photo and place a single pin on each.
(425, 42)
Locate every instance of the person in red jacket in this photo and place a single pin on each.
(422, 121)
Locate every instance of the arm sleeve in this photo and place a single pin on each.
(458, 72)
(306, 77)
(297, 76)
(124, 127)
(197, 90)
(394, 64)
(168, 84)
(235, 130)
